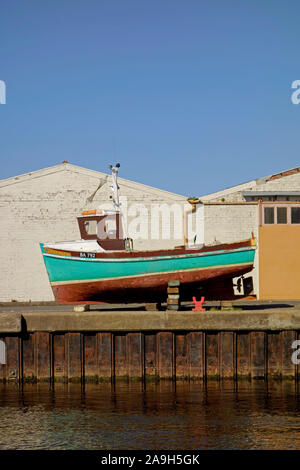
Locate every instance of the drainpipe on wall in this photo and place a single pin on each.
(191, 210)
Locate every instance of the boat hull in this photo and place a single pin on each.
(145, 289)
(133, 278)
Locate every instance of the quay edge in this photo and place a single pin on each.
(10, 322)
(259, 320)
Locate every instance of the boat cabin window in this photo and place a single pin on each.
(90, 227)
(107, 228)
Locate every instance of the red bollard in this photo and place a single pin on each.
(198, 304)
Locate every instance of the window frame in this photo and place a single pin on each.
(288, 207)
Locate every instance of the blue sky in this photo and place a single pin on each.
(190, 96)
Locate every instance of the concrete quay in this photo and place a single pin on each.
(58, 344)
(127, 320)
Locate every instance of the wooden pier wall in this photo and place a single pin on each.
(109, 345)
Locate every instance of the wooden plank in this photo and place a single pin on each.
(59, 358)
(181, 356)
(42, 356)
(150, 355)
(172, 307)
(212, 355)
(165, 354)
(74, 363)
(120, 355)
(171, 301)
(13, 367)
(227, 355)
(258, 356)
(28, 358)
(243, 354)
(288, 368)
(135, 355)
(90, 357)
(173, 290)
(274, 355)
(105, 355)
(154, 306)
(196, 354)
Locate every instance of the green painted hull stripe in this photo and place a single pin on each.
(65, 268)
(58, 283)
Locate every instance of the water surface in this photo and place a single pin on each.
(164, 415)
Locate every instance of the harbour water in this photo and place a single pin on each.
(163, 415)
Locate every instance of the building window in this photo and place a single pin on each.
(269, 215)
(278, 214)
(281, 215)
(295, 215)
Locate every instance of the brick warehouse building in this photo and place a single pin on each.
(42, 206)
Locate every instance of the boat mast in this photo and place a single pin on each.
(115, 187)
(115, 190)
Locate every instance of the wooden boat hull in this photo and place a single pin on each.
(141, 276)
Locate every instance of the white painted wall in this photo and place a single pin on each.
(229, 223)
(43, 206)
(232, 223)
(286, 183)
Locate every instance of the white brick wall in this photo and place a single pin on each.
(234, 194)
(286, 183)
(231, 223)
(43, 207)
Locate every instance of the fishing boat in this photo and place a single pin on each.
(103, 266)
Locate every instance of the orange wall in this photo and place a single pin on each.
(279, 262)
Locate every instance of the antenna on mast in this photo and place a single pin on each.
(115, 188)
